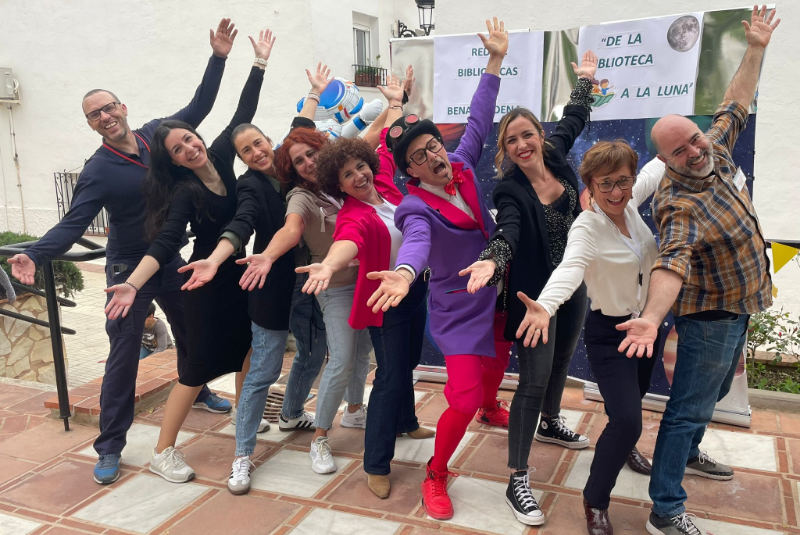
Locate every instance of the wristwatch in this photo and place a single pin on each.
(261, 61)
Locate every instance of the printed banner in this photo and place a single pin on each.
(459, 61)
(646, 68)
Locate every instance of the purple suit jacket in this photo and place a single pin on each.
(438, 235)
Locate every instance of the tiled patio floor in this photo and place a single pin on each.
(46, 485)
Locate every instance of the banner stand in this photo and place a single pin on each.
(650, 402)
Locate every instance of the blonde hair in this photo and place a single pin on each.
(500, 160)
(606, 157)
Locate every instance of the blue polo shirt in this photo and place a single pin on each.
(111, 182)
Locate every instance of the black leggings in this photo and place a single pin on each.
(542, 376)
(623, 382)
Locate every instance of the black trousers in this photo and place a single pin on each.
(623, 382)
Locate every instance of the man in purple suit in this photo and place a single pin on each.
(445, 223)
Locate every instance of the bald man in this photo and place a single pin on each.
(712, 271)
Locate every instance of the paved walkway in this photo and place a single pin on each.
(46, 484)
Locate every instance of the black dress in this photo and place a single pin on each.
(217, 323)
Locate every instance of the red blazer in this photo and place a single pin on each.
(359, 222)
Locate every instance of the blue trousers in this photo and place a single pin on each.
(117, 394)
(708, 353)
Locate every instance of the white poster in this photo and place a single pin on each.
(646, 68)
(459, 61)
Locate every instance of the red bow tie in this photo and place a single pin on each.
(458, 178)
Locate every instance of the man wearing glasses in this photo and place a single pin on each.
(112, 179)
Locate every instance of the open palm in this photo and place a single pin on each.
(759, 31)
(497, 41)
(588, 66)
(394, 287)
(222, 40)
(263, 47)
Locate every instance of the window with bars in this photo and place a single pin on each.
(361, 45)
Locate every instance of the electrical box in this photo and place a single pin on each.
(7, 84)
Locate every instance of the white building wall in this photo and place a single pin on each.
(152, 54)
(776, 188)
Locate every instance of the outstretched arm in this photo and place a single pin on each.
(259, 265)
(319, 81)
(758, 32)
(339, 256)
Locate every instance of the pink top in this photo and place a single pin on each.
(360, 223)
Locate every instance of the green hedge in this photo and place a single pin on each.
(69, 278)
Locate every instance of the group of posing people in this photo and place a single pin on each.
(372, 256)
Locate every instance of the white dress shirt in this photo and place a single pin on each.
(599, 254)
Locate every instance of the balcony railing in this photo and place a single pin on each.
(65, 187)
(369, 76)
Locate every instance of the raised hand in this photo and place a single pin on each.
(256, 272)
(588, 66)
(408, 83)
(759, 31)
(202, 272)
(479, 274)
(393, 91)
(23, 268)
(321, 79)
(222, 40)
(497, 41)
(319, 276)
(263, 46)
(393, 288)
(642, 335)
(121, 301)
(536, 322)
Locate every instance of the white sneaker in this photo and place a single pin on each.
(262, 426)
(321, 459)
(354, 419)
(305, 422)
(171, 465)
(239, 481)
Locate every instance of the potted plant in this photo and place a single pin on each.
(68, 277)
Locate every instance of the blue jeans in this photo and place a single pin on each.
(309, 333)
(348, 365)
(265, 368)
(398, 349)
(145, 352)
(708, 353)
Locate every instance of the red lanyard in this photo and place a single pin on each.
(125, 157)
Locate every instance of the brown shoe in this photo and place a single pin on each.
(639, 463)
(597, 522)
(421, 433)
(379, 485)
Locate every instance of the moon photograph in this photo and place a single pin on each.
(683, 33)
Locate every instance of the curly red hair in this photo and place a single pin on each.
(283, 162)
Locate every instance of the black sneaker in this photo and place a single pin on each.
(677, 525)
(521, 500)
(553, 431)
(705, 466)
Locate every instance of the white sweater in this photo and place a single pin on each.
(597, 254)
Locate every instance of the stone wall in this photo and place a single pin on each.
(25, 349)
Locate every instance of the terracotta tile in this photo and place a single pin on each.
(52, 402)
(58, 530)
(491, 457)
(55, 490)
(735, 497)
(404, 498)
(12, 394)
(11, 468)
(211, 457)
(243, 515)
(790, 423)
(340, 439)
(45, 441)
(794, 452)
(433, 409)
(566, 518)
(764, 421)
(573, 399)
(33, 404)
(14, 424)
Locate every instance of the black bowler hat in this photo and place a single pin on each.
(405, 130)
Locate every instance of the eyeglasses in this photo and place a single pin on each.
(625, 183)
(94, 115)
(419, 156)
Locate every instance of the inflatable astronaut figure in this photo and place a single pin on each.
(341, 111)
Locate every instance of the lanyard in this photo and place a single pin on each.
(634, 245)
(140, 164)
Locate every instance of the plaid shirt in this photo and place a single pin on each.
(709, 231)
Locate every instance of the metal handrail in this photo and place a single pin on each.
(95, 251)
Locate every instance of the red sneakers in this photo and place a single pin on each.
(497, 416)
(434, 495)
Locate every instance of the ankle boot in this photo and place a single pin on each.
(379, 485)
(639, 463)
(597, 522)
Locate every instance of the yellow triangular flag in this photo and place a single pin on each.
(781, 254)
(774, 291)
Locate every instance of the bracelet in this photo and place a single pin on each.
(261, 61)
(395, 107)
(132, 286)
(313, 96)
